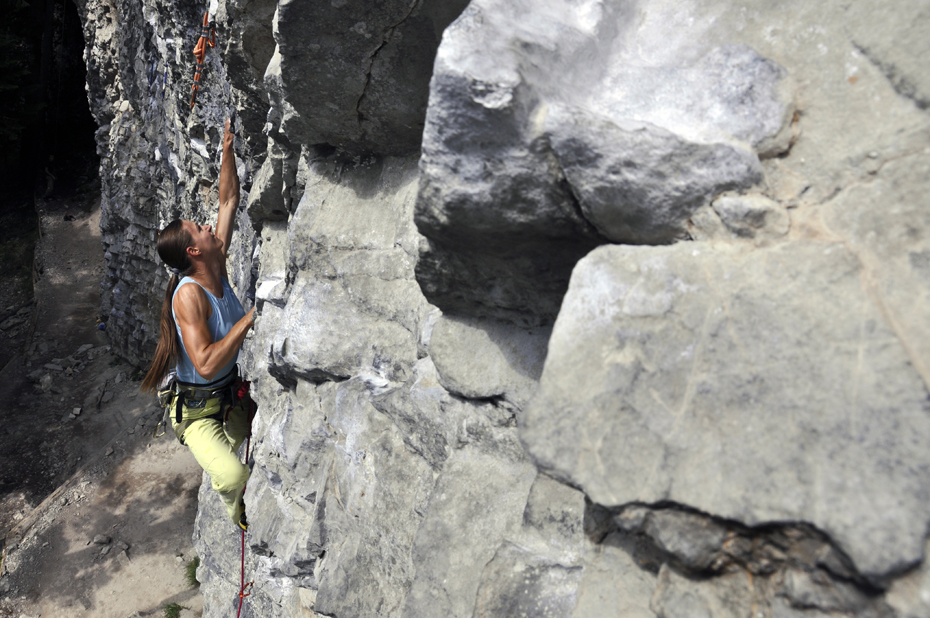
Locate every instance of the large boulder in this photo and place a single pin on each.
(758, 386)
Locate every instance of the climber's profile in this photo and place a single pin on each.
(202, 328)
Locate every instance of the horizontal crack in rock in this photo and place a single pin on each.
(797, 560)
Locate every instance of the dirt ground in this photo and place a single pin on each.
(78, 459)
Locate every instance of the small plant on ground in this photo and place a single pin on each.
(172, 610)
(190, 571)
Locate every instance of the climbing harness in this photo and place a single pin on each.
(174, 395)
(207, 37)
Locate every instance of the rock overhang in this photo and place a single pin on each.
(599, 147)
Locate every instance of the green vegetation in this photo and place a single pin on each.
(190, 571)
(172, 610)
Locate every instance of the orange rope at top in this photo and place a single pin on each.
(207, 37)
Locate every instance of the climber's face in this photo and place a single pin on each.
(203, 241)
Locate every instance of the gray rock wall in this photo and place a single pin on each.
(567, 308)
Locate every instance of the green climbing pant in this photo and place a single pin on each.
(215, 445)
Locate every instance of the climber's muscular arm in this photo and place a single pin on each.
(229, 191)
(192, 310)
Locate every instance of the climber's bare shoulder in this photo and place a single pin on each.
(192, 310)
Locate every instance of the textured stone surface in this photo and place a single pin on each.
(752, 216)
(516, 584)
(613, 584)
(895, 40)
(597, 148)
(352, 277)
(638, 183)
(893, 244)
(678, 597)
(457, 533)
(480, 359)
(370, 68)
(538, 571)
(246, 44)
(759, 386)
(266, 200)
(910, 595)
(693, 540)
(375, 487)
(426, 414)
(806, 589)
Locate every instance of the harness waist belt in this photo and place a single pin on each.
(211, 390)
(194, 393)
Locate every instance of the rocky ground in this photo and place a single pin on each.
(95, 513)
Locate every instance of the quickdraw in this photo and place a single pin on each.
(207, 37)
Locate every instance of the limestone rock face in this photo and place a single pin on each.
(894, 246)
(370, 67)
(351, 276)
(758, 363)
(894, 40)
(246, 44)
(581, 144)
(481, 359)
(568, 307)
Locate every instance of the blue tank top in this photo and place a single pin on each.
(226, 312)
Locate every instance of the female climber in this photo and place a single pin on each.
(202, 327)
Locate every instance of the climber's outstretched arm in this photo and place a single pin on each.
(192, 310)
(229, 191)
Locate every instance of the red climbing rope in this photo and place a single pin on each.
(243, 586)
(207, 37)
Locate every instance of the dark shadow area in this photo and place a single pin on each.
(46, 129)
(48, 171)
(702, 547)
